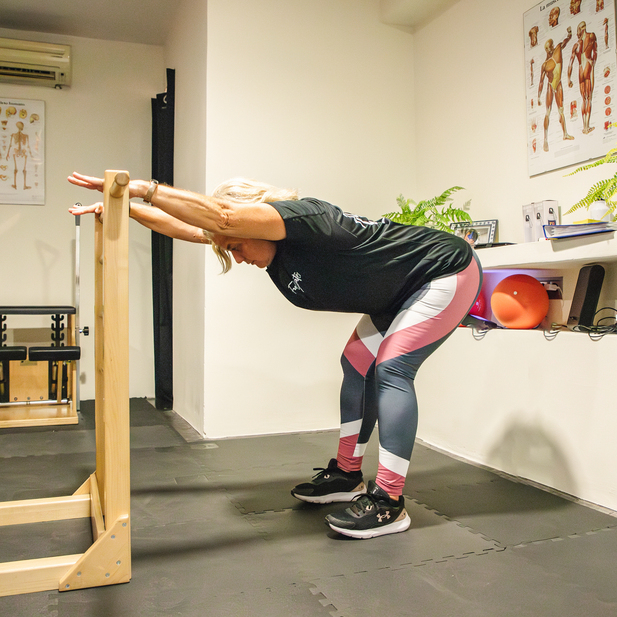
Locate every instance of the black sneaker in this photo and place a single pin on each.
(371, 515)
(331, 484)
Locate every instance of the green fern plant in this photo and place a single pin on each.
(604, 190)
(437, 212)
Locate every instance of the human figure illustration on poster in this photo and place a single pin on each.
(21, 152)
(552, 69)
(556, 63)
(585, 50)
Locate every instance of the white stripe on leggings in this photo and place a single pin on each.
(441, 293)
(369, 335)
(351, 428)
(392, 462)
(360, 449)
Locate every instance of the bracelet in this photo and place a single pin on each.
(151, 190)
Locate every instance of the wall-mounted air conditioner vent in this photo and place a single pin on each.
(40, 64)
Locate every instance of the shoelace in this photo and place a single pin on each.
(322, 471)
(360, 505)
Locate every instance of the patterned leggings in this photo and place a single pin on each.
(380, 363)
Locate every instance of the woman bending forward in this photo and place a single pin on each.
(413, 286)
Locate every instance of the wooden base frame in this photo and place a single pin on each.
(53, 414)
(105, 495)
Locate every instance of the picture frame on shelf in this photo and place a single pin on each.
(477, 233)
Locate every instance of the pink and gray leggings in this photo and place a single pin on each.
(380, 363)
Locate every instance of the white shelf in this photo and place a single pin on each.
(549, 254)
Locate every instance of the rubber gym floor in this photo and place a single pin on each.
(216, 533)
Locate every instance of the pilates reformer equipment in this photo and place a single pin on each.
(39, 386)
(33, 394)
(105, 496)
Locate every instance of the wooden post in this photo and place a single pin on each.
(115, 347)
(99, 376)
(111, 552)
(105, 496)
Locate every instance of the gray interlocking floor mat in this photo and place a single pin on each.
(510, 513)
(498, 584)
(216, 532)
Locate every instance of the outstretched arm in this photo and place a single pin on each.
(152, 218)
(219, 216)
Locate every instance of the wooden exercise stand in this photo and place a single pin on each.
(105, 496)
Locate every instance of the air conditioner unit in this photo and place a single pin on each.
(40, 64)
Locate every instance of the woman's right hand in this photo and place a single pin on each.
(86, 182)
(137, 188)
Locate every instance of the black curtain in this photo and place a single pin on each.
(162, 248)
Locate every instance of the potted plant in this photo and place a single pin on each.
(603, 191)
(437, 212)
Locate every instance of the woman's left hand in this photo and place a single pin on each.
(78, 210)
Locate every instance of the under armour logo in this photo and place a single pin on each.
(294, 285)
(383, 517)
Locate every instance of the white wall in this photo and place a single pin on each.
(521, 404)
(470, 115)
(312, 95)
(514, 401)
(185, 52)
(101, 122)
(315, 96)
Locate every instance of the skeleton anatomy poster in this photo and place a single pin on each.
(570, 66)
(22, 151)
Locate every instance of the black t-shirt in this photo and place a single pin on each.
(335, 261)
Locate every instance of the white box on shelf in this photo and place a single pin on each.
(528, 223)
(538, 214)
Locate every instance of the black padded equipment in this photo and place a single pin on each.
(37, 310)
(53, 354)
(13, 353)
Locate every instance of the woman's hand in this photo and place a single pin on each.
(96, 209)
(137, 188)
(86, 182)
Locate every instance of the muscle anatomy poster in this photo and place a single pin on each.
(22, 151)
(570, 66)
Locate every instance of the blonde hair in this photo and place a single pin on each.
(242, 191)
